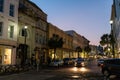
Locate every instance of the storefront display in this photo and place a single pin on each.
(7, 56)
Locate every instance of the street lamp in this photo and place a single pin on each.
(25, 49)
(112, 37)
(25, 34)
(111, 22)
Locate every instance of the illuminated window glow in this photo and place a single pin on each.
(7, 56)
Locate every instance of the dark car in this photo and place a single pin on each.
(56, 63)
(74, 60)
(111, 67)
(80, 62)
(67, 61)
(100, 62)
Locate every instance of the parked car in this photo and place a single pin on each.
(74, 60)
(56, 63)
(67, 61)
(100, 62)
(80, 62)
(111, 67)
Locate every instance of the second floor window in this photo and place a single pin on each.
(1, 27)
(10, 31)
(1, 5)
(11, 11)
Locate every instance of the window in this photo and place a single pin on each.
(1, 27)
(10, 31)
(1, 5)
(24, 32)
(11, 11)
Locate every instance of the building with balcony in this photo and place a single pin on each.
(8, 31)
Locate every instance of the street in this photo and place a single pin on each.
(90, 72)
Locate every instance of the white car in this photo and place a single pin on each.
(56, 63)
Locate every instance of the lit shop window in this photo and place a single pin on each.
(7, 56)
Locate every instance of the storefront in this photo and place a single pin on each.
(7, 56)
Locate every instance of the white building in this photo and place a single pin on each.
(8, 31)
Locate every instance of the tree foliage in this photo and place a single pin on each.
(55, 42)
(87, 49)
(78, 49)
(107, 39)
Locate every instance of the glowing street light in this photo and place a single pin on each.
(25, 27)
(111, 21)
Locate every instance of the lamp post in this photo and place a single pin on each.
(112, 38)
(25, 35)
(111, 22)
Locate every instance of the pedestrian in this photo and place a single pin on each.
(48, 60)
(33, 60)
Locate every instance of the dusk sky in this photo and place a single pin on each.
(89, 18)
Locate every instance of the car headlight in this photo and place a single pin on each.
(82, 63)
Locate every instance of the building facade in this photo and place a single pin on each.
(24, 32)
(66, 50)
(78, 41)
(94, 51)
(32, 39)
(8, 31)
(115, 25)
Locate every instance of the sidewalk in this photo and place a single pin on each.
(19, 70)
(29, 75)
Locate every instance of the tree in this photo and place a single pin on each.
(55, 42)
(105, 40)
(78, 49)
(112, 42)
(87, 49)
(108, 39)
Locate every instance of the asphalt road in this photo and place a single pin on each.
(90, 72)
